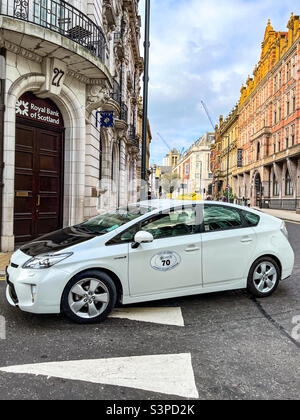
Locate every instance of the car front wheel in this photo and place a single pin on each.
(89, 297)
(264, 277)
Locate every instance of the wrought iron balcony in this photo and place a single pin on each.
(116, 92)
(61, 17)
(131, 132)
(132, 135)
(124, 112)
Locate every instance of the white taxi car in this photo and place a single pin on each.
(148, 251)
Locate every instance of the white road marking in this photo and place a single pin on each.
(166, 316)
(170, 374)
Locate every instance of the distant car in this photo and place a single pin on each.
(191, 197)
(149, 251)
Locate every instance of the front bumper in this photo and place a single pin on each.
(34, 291)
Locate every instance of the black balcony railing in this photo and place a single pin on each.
(132, 135)
(116, 92)
(61, 17)
(123, 112)
(131, 132)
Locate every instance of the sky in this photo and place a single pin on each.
(203, 50)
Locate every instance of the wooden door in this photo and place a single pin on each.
(38, 182)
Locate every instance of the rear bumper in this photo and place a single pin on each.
(287, 273)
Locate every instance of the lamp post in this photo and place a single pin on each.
(145, 97)
(227, 172)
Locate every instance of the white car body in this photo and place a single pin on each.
(204, 262)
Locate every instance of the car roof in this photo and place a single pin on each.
(168, 203)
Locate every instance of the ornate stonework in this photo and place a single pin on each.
(97, 95)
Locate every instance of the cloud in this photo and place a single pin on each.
(203, 50)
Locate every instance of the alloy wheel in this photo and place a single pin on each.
(265, 277)
(88, 298)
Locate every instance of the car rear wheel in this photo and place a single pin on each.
(264, 277)
(89, 297)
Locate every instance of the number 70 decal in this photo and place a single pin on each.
(165, 261)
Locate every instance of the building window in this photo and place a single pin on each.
(275, 187)
(258, 151)
(288, 104)
(187, 169)
(294, 100)
(293, 135)
(294, 59)
(279, 111)
(287, 138)
(289, 188)
(280, 79)
(288, 71)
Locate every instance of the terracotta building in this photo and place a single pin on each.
(267, 168)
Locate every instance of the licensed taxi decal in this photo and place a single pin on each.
(165, 261)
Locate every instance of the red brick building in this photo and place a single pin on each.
(269, 124)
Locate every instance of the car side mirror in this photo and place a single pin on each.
(142, 238)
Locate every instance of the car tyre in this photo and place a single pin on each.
(89, 297)
(264, 277)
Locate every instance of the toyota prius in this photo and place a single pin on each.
(149, 251)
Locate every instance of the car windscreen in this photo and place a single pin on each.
(108, 222)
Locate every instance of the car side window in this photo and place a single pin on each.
(251, 218)
(177, 222)
(218, 218)
(125, 237)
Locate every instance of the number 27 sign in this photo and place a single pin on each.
(55, 75)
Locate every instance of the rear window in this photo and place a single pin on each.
(252, 219)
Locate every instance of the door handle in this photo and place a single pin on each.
(246, 240)
(38, 201)
(192, 249)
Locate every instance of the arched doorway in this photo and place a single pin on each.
(38, 204)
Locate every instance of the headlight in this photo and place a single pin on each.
(284, 229)
(46, 261)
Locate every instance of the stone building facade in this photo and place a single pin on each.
(194, 167)
(268, 144)
(61, 63)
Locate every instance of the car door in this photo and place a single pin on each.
(228, 244)
(173, 260)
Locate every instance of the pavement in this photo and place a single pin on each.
(4, 260)
(216, 346)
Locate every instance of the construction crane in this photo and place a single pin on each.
(207, 113)
(164, 141)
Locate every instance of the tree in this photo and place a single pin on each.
(232, 196)
(170, 182)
